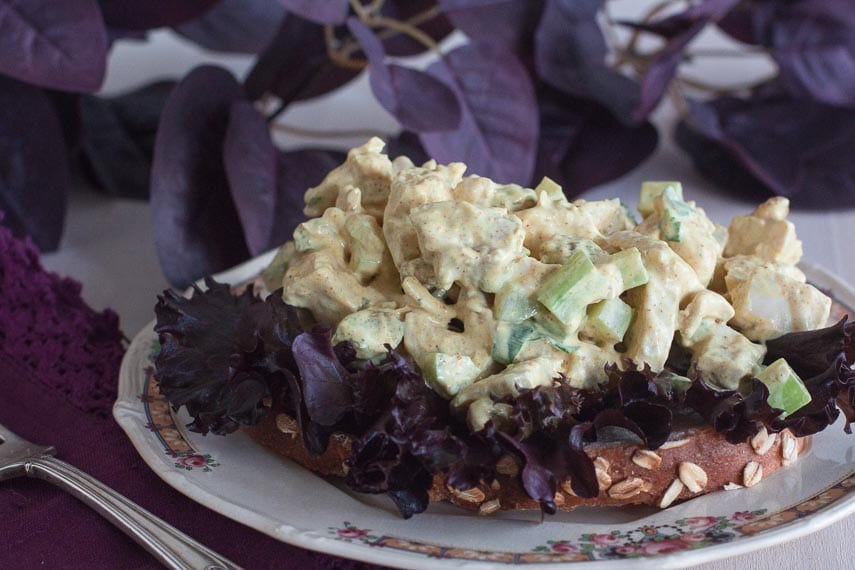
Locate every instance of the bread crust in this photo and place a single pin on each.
(697, 458)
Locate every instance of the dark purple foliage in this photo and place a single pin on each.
(61, 45)
(319, 11)
(583, 144)
(33, 165)
(297, 171)
(507, 24)
(795, 148)
(570, 55)
(678, 30)
(249, 158)
(117, 138)
(295, 65)
(198, 229)
(498, 131)
(813, 44)
(241, 26)
(419, 101)
(133, 15)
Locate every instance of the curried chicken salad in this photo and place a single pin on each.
(492, 289)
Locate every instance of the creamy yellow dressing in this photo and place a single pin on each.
(419, 257)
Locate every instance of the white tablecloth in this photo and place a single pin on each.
(108, 243)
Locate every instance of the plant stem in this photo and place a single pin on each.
(334, 134)
(340, 58)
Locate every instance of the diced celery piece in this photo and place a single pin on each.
(550, 327)
(275, 272)
(678, 383)
(569, 290)
(650, 190)
(509, 340)
(674, 212)
(558, 249)
(786, 390)
(514, 303)
(608, 321)
(365, 240)
(447, 374)
(552, 188)
(628, 262)
(311, 234)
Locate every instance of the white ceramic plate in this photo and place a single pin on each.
(236, 477)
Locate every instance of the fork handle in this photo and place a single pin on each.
(170, 546)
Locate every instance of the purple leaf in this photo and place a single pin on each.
(117, 164)
(117, 138)
(250, 161)
(679, 30)
(238, 26)
(815, 52)
(297, 171)
(295, 65)
(61, 45)
(33, 167)
(796, 148)
(507, 24)
(498, 131)
(437, 26)
(582, 145)
(267, 185)
(198, 231)
(570, 55)
(319, 11)
(132, 15)
(419, 101)
(407, 143)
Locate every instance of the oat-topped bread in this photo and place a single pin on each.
(437, 336)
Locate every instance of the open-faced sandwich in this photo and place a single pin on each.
(441, 337)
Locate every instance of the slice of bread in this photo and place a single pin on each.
(695, 460)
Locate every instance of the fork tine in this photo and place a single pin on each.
(7, 436)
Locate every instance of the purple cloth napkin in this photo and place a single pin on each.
(59, 363)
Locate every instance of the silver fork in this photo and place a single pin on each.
(173, 548)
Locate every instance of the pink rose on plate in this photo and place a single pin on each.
(627, 550)
(692, 537)
(604, 539)
(743, 516)
(661, 547)
(351, 532)
(564, 547)
(192, 461)
(701, 522)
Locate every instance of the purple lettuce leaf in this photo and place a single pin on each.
(198, 231)
(235, 26)
(319, 11)
(295, 65)
(794, 148)
(327, 395)
(570, 55)
(679, 30)
(437, 26)
(583, 145)
(420, 102)
(34, 176)
(505, 24)
(60, 45)
(498, 131)
(133, 15)
(213, 356)
(67, 108)
(249, 158)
